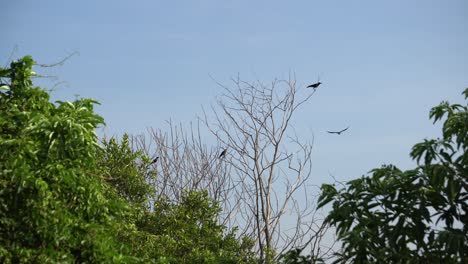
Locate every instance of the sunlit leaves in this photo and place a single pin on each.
(128, 171)
(189, 232)
(64, 198)
(53, 208)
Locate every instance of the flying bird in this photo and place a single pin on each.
(314, 85)
(223, 153)
(155, 160)
(338, 132)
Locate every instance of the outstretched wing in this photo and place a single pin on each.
(338, 132)
(344, 129)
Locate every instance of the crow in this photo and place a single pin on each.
(155, 160)
(315, 85)
(338, 132)
(223, 153)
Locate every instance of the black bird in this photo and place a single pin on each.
(223, 153)
(155, 160)
(338, 132)
(314, 85)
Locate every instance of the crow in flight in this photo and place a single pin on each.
(223, 153)
(155, 160)
(315, 85)
(338, 132)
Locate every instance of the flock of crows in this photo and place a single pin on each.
(313, 86)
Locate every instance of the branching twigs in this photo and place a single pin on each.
(263, 181)
(186, 163)
(59, 63)
(253, 120)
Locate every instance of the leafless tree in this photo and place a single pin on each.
(186, 163)
(258, 170)
(270, 167)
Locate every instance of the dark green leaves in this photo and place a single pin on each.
(395, 216)
(328, 193)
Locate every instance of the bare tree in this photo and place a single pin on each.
(259, 171)
(270, 167)
(186, 163)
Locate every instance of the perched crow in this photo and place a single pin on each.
(315, 85)
(223, 153)
(155, 160)
(338, 132)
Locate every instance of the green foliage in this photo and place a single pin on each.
(189, 232)
(295, 256)
(52, 207)
(66, 199)
(401, 216)
(127, 171)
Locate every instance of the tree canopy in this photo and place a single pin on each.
(53, 208)
(420, 214)
(64, 197)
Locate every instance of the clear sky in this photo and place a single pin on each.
(383, 64)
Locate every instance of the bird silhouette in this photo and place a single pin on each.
(223, 153)
(314, 85)
(155, 160)
(338, 132)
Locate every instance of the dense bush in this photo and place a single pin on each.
(66, 198)
(53, 206)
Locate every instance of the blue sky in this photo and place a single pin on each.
(383, 64)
